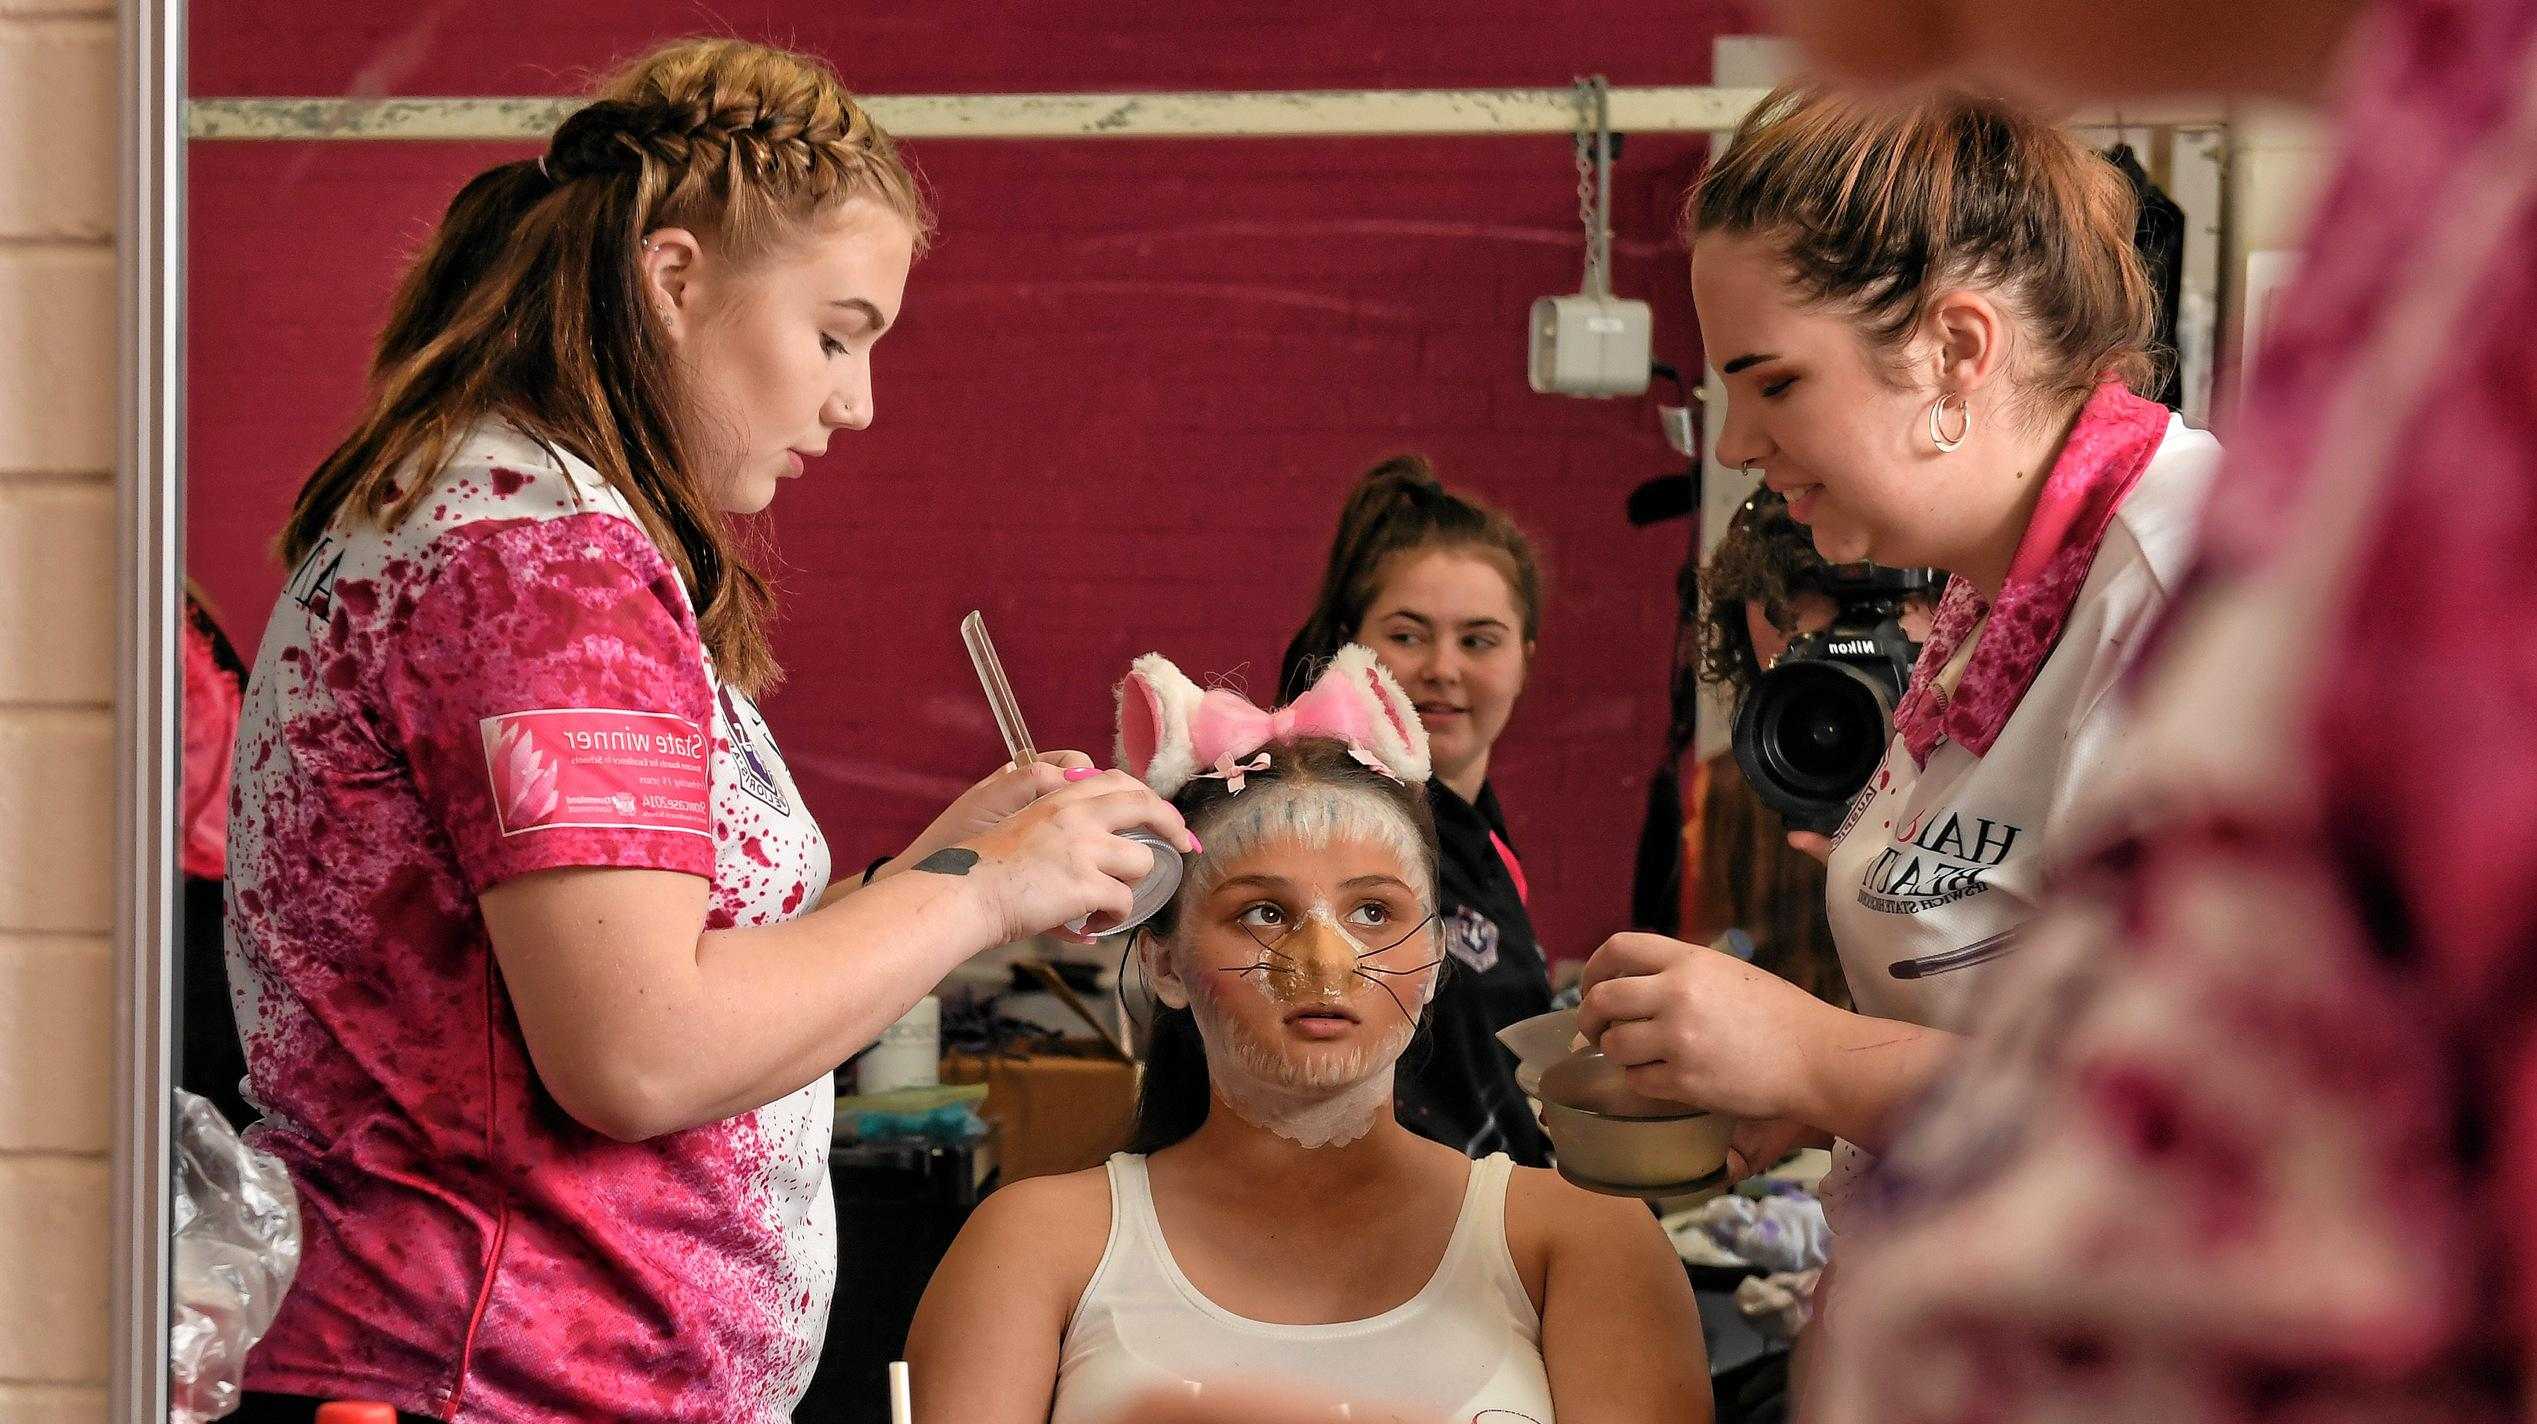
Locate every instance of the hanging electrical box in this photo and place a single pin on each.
(1592, 343)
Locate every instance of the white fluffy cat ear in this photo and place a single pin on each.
(1156, 702)
(1399, 738)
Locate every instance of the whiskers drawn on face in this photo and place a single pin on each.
(1273, 959)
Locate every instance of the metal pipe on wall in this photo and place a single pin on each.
(1290, 113)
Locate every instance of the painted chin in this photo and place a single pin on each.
(1314, 1066)
(1304, 1052)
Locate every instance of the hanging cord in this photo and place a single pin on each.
(1594, 180)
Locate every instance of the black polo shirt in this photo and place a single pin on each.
(1457, 1082)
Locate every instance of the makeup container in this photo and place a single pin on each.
(1156, 888)
(909, 1053)
(1607, 1137)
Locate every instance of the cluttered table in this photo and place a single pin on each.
(1019, 1068)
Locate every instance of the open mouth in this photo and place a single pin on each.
(1439, 709)
(1800, 496)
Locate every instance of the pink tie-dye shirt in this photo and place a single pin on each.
(2252, 1134)
(509, 681)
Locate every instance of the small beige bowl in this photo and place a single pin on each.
(1609, 1136)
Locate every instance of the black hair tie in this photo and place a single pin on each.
(593, 141)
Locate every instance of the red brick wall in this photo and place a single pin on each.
(1132, 382)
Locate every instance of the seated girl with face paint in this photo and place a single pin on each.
(1273, 1219)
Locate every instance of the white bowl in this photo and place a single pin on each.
(1608, 1135)
(1641, 1153)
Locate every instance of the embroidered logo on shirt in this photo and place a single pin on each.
(1936, 861)
(1472, 938)
(752, 770)
(597, 768)
(312, 584)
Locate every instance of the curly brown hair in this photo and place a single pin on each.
(1765, 558)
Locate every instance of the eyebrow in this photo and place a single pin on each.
(871, 313)
(1423, 621)
(1750, 358)
(1279, 882)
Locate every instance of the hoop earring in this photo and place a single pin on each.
(1937, 433)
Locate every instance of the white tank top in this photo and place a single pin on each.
(1468, 1345)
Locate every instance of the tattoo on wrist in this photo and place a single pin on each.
(951, 860)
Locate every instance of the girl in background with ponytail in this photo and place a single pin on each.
(531, 939)
(1448, 593)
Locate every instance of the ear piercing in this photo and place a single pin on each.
(1937, 413)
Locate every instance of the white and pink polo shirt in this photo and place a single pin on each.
(509, 681)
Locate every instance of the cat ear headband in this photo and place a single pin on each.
(1171, 732)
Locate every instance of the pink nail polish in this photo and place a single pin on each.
(1195, 848)
(1082, 773)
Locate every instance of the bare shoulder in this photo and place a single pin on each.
(1540, 1200)
(1547, 1215)
(1030, 1248)
(1620, 1326)
(1057, 1218)
(986, 1338)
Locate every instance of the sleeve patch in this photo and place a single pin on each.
(598, 768)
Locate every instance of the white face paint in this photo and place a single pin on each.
(1305, 960)
(1312, 816)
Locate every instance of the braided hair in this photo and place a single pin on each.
(528, 302)
(733, 138)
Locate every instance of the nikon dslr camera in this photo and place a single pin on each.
(1815, 725)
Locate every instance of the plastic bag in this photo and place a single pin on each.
(1779, 1305)
(1780, 1231)
(237, 1247)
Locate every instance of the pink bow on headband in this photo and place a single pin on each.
(1171, 731)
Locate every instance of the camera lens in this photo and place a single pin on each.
(1826, 731)
(1810, 735)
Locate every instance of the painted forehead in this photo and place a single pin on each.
(1315, 816)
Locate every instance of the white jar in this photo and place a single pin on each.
(909, 1053)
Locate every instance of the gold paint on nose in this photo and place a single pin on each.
(1316, 961)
